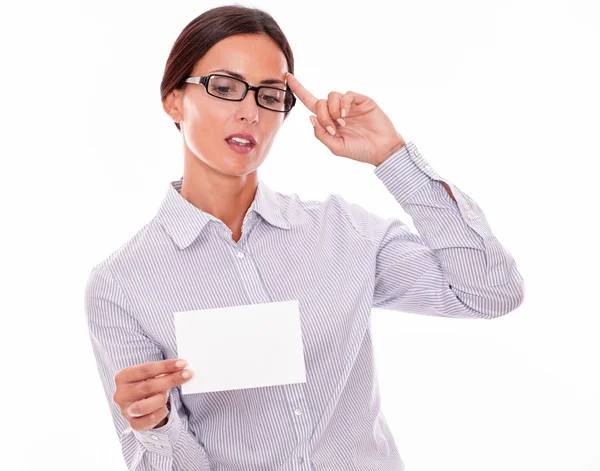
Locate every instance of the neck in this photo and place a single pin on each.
(226, 197)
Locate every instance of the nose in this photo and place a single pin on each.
(248, 108)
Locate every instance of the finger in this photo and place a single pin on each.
(334, 100)
(307, 98)
(334, 143)
(324, 117)
(148, 405)
(147, 370)
(350, 99)
(143, 389)
(149, 421)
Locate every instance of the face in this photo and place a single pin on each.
(206, 121)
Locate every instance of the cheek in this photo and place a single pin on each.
(200, 110)
(207, 124)
(270, 127)
(204, 116)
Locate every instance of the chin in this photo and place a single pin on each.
(236, 170)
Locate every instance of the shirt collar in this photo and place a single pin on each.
(183, 221)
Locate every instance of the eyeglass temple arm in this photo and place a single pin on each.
(193, 79)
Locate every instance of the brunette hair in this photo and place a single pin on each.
(204, 31)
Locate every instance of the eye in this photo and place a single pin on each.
(223, 90)
(224, 86)
(271, 99)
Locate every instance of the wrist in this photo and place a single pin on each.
(399, 144)
(162, 423)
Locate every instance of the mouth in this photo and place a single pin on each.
(242, 143)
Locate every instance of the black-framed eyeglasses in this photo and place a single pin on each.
(232, 89)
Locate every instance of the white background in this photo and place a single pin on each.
(501, 97)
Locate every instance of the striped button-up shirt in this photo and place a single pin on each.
(339, 261)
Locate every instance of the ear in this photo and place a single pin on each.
(172, 104)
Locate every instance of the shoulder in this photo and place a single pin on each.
(339, 212)
(122, 261)
(367, 224)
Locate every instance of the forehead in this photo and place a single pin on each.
(255, 56)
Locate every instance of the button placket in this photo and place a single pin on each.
(256, 291)
(301, 420)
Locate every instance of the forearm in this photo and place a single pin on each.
(171, 447)
(478, 269)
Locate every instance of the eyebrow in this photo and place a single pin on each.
(241, 77)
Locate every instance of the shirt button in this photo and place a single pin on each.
(240, 254)
(298, 411)
(154, 437)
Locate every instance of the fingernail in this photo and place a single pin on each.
(181, 363)
(341, 121)
(343, 113)
(330, 130)
(312, 120)
(187, 374)
(132, 414)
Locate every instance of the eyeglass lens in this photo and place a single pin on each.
(232, 89)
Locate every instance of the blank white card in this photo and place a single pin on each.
(239, 347)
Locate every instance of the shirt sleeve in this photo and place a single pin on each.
(118, 341)
(454, 266)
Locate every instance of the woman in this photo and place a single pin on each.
(222, 238)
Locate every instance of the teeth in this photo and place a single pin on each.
(240, 140)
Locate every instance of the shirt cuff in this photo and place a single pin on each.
(161, 440)
(405, 172)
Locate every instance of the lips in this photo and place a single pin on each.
(248, 137)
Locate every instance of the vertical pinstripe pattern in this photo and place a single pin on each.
(339, 261)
